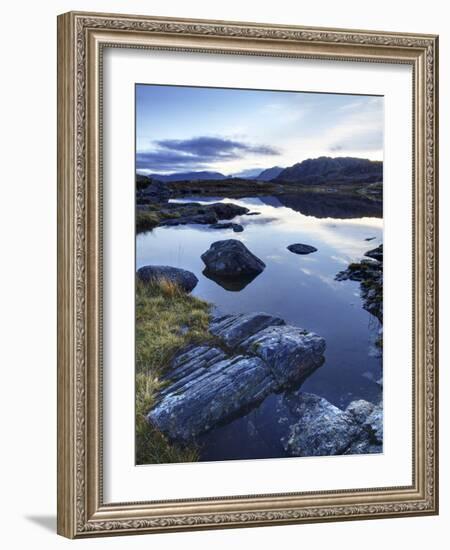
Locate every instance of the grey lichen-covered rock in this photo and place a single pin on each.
(210, 385)
(231, 259)
(360, 410)
(299, 248)
(363, 446)
(235, 328)
(370, 418)
(292, 353)
(374, 425)
(315, 427)
(186, 280)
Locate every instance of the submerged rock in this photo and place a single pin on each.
(186, 280)
(299, 248)
(231, 259)
(210, 385)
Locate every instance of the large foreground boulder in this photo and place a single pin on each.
(186, 280)
(231, 259)
(209, 385)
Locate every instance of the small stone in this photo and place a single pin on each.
(299, 248)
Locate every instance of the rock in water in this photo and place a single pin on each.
(186, 280)
(206, 396)
(231, 259)
(376, 253)
(236, 328)
(299, 248)
(360, 409)
(374, 425)
(207, 386)
(291, 352)
(315, 427)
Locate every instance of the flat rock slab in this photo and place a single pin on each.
(186, 280)
(209, 395)
(231, 259)
(234, 329)
(209, 385)
(299, 248)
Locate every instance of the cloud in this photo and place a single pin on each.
(197, 153)
(361, 130)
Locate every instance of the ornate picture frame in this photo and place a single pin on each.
(82, 38)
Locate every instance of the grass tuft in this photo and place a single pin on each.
(167, 319)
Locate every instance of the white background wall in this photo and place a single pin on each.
(28, 273)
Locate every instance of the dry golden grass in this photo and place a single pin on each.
(167, 319)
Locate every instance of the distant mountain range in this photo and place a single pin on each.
(332, 170)
(316, 171)
(269, 174)
(188, 176)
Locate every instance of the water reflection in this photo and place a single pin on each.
(235, 284)
(300, 289)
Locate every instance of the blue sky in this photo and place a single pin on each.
(232, 131)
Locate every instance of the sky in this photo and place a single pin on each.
(241, 132)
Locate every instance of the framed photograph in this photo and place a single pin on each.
(247, 288)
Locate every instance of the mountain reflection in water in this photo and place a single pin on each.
(300, 289)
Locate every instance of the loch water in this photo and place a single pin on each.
(301, 289)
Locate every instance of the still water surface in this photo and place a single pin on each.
(300, 289)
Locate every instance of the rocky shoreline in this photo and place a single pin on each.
(369, 273)
(247, 357)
